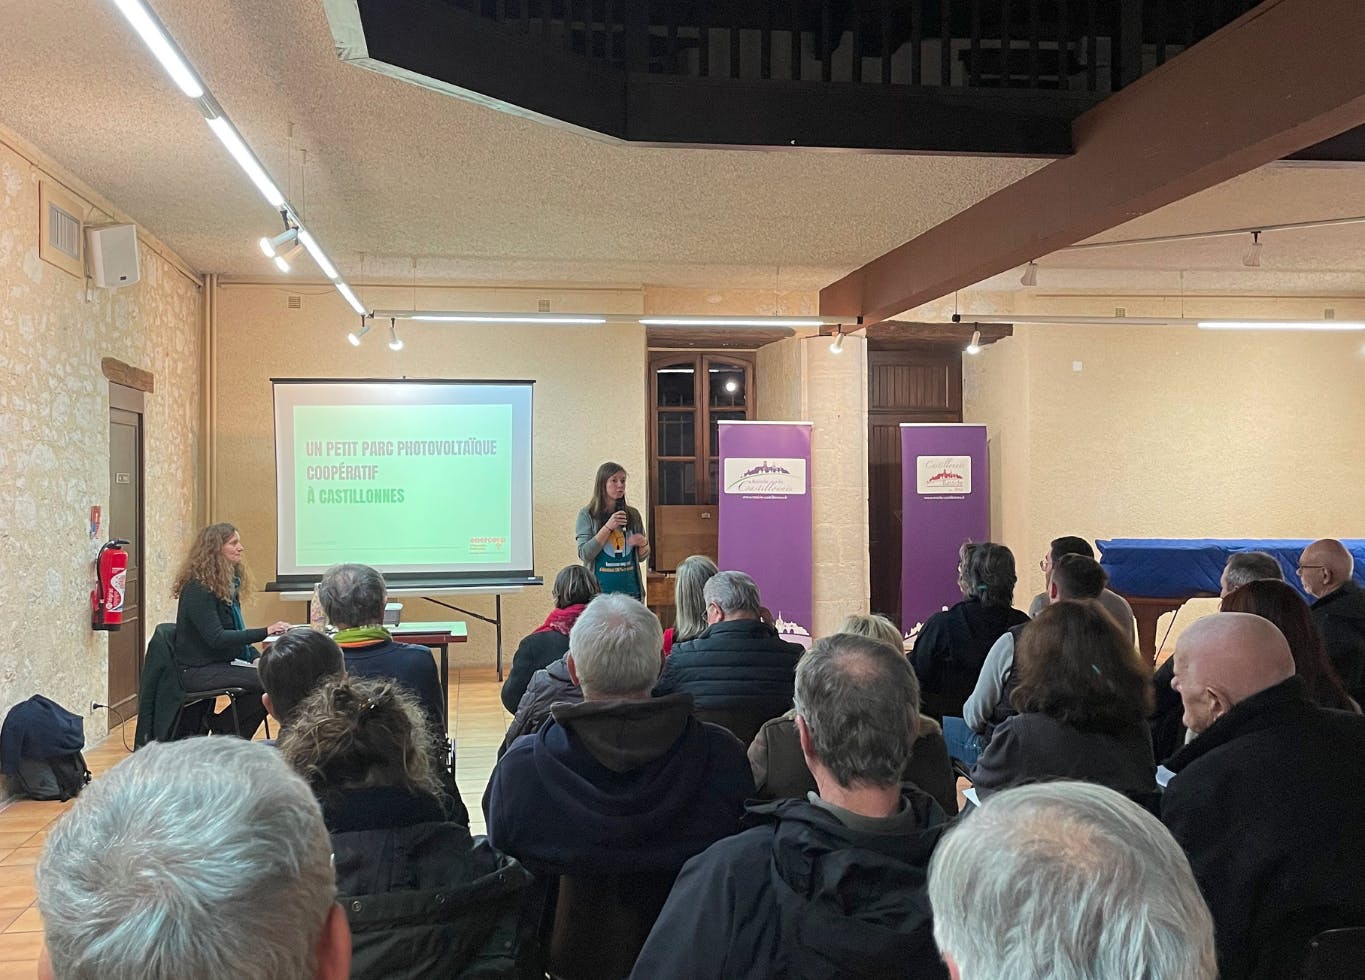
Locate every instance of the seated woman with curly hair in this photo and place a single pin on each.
(423, 897)
(1083, 699)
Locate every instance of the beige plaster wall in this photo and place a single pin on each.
(589, 406)
(802, 381)
(54, 437)
(1171, 432)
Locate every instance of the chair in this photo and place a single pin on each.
(189, 699)
(743, 724)
(601, 923)
(1336, 954)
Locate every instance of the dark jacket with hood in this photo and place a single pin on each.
(804, 896)
(424, 899)
(612, 787)
(548, 687)
(950, 649)
(535, 652)
(734, 665)
(1340, 616)
(1269, 805)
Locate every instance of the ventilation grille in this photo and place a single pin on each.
(63, 231)
(543, 306)
(295, 302)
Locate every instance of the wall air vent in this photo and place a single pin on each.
(295, 303)
(59, 228)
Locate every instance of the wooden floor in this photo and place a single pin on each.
(479, 722)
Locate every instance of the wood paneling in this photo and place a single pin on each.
(680, 531)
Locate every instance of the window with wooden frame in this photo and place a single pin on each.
(689, 394)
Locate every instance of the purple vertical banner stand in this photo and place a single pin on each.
(946, 500)
(765, 516)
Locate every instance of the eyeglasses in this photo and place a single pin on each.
(1302, 567)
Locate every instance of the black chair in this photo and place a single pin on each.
(191, 699)
(740, 722)
(1336, 954)
(601, 923)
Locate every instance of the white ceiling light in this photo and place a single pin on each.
(394, 342)
(153, 34)
(320, 257)
(1281, 325)
(974, 347)
(1251, 258)
(349, 296)
(731, 321)
(227, 135)
(355, 336)
(1030, 276)
(838, 346)
(270, 247)
(587, 321)
(285, 258)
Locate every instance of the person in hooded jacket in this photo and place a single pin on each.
(573, 589)
(834, 885)
(423, 897)
(621, 783)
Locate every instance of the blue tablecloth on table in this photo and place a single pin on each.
(1178, 568)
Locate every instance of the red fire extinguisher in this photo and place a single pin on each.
(111, 566)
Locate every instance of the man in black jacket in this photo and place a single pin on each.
(1268, 801)
(830, 886)
(738, 670)
(1325, 569)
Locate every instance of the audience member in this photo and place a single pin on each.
(1083, 698)
(738, 670)
(689, 600)
(205, 858)
(573, 589)
(621, 782)
(293, 666)
(833, 885)
(549, 686)
(1071, 545)
(1325, 570)
(1269, 800)
(1067, 880)
(1282, 605)
(1248, 566)
(1072, 577)
(423, 897)
(780, 769)
(952, 645)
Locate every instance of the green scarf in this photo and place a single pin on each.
(361, 634)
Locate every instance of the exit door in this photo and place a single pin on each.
(125, 521)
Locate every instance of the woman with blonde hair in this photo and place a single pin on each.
(210, 634)
(424, 898)
(689, 605)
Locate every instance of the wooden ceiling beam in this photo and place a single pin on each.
(1284, 76)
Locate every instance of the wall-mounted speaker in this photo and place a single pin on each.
(111, 252)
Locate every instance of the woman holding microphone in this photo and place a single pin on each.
(611, 538)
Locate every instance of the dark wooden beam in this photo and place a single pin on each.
(1247, 95)
(714, 338)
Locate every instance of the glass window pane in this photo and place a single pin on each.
(713, 493)
(726, 385)
(677, 434)
(721, 416)
(677, 383)
(677, 483)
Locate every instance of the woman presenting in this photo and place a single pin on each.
(209, 631)
(611, 539)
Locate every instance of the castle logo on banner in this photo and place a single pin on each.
(748, 476)
(943, 474)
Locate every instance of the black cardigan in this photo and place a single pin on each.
(205, 631)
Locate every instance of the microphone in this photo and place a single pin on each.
(621, 504)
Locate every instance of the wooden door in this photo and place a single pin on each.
(914, 385)
(125, 521)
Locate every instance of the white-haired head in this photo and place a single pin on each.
(616, 648)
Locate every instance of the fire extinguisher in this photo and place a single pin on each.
(111, 567)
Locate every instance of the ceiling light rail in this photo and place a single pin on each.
(1205, 323)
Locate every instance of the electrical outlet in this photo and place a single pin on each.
(95, 706)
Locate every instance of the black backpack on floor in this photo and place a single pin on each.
(58, 778)
(40, 750)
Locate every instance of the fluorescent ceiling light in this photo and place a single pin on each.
(154, 35)
(1281, 325)
(345, 291)
(729, 321)
(319, 256)
(230, 138)
(506, 318)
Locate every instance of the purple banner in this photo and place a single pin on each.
(765, 516)
(946, 500)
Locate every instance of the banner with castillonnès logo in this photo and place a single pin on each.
(946, 500)
(765, 516)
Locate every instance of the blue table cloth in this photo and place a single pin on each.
(1180, 568)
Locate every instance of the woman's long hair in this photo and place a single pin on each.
(1076, 666)
(874, 626)
(355, 732)
(986, 571)
(1283, 606)
(693, 573)
(206, 565)
(601, 507)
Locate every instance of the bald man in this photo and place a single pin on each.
(1268, 801)
(1325, 569)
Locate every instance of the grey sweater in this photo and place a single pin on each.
(585, 530)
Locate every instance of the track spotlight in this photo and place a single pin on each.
(974, 347)
(355, 335)
(271, 247)
(283, 260)
(838, 346)
(1030, 276)
(394, 342)
(1251, 258)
